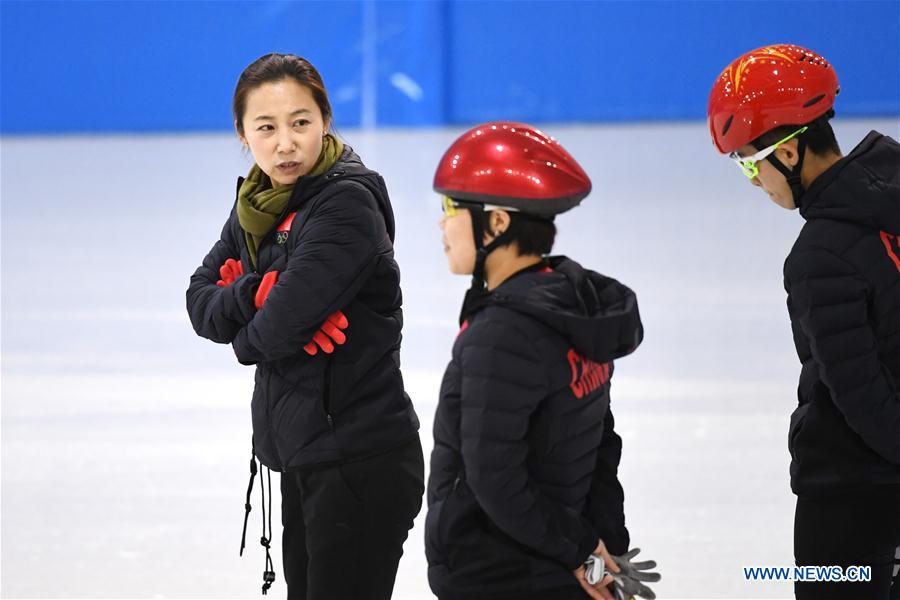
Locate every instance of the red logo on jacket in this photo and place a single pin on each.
(587, 375)
(891, 242)
(284, 230)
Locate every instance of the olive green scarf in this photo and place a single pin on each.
(259, 204)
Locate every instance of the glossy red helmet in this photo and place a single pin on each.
(768, 87)
(514, 165)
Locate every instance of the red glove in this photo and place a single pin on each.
(331, 328)
(230, 271)
(265, 286)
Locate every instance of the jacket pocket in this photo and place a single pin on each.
(437, 525)
(298, 421)
(261, 415)
(797, 418)
(827, 452)
(327, 391)
(434, 549)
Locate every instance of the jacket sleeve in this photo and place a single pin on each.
(336, 252)
(503, 383)
(828, 297)
(218, 313)
(606, 500)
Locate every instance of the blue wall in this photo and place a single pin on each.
(171, 66)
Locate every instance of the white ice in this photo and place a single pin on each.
(126, 438)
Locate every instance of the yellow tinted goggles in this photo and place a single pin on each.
(449, 206)
(748, 163)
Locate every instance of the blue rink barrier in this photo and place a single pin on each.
(109, 66)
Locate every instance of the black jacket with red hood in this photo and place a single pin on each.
(524, 468)
(843, 283)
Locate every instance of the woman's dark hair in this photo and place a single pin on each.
(532, 235)
(278, 67)
(819, 137)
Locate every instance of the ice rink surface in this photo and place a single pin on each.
(126, 438)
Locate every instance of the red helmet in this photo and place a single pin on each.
(768, 87)
(514, 165)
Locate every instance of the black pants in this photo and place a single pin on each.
(851, 529)
(564, 593)
(344, 525)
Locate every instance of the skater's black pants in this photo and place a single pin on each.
(861, 529)
(344, 525)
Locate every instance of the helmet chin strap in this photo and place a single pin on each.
(792, 175)
(478, 292)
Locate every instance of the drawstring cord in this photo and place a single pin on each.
(247, 506)
(269, 570)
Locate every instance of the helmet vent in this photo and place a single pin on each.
(813, 101)
(727, 125)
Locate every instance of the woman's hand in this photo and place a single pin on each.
(265, 286)
(331, 328)
(330, 333)
(229, 272)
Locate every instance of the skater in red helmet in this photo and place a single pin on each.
(523, 489)
(303, 284)
(769, 111)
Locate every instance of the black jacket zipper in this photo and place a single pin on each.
(326, 394)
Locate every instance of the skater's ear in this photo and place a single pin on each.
(531, 236)
(498, 222)
(788, 153)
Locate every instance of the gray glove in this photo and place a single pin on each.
(628, 580)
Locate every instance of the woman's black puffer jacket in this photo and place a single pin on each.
(309, 410)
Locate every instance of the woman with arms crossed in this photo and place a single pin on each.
(305, 261)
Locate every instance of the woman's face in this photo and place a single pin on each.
(283, 128)
(459, 245)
